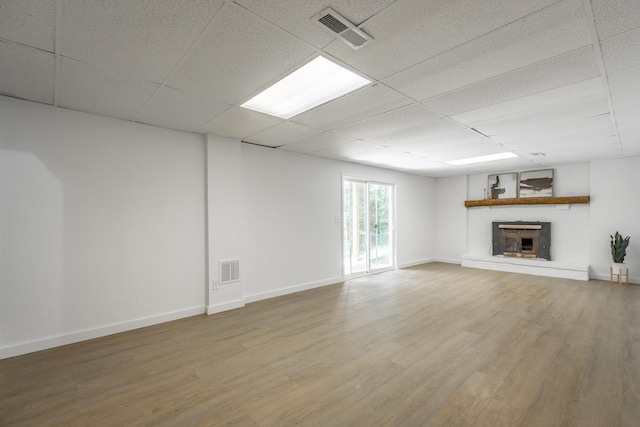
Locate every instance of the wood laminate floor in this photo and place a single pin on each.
(434, 345)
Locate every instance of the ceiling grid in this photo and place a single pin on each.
(451, 80)
(593, 31)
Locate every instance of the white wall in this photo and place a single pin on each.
(102, 222)
(224, 219)
(101, 226)
(569, 223)
(107, 225)
(615, 206)
(580, 233)
(291, 238)
(451, 218)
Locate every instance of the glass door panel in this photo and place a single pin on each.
(380, 236)
(354, 227)
(367, 227)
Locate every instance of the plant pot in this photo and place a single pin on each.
(619, 267)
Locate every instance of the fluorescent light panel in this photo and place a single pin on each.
(315, 83)
(480, 159)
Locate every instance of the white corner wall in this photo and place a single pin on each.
(101, 226)
(107, 225)
(451, 218)
(615, 204)
(224, 220)
(291, 239)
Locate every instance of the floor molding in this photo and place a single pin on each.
(219, 308)
(292, 289)
(418, 262)
(74, 337)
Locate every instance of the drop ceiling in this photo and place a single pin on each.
(555, 82)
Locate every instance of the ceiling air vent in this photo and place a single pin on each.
(341, 28)
(229, 271)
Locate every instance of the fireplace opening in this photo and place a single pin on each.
(522, 239)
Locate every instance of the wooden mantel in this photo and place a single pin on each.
(529, 201)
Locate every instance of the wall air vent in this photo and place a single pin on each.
(229, 271)
(341, 28)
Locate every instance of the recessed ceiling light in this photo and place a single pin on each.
(315, 83)
(480, 159)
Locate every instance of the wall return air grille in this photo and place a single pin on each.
(341, 28)
(229, 271)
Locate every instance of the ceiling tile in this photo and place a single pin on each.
(631, 143)
(454, 145)
(559, 131)
(317, 142)
(346, 151)
(389, 158)
(628, 117)
(26, 73)
(630, 132)
(399, 31)
(578, 143)
(505, 165)
(240, 56)
(613, 17)
(538, 120)
(362, 104)
(440, 170)
(624, 80)
(633, 151)
(282, 134)
(28, 22)
(626, 101)
(583, 144)
(622, 51)
(555, 30)
(441, 136)
(457, 150)
(177, 109)
(418, 164)
(393, 127)
(560, 71)
(582, 155)
(297, 20)
(577, 135)
(239, 123)
(85, 87)
(142, 38)
(565, 95)
(380, 156)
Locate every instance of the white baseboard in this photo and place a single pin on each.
(419, 262)
(292, 289)
(74, 337)
(219, 308)
(448, 260)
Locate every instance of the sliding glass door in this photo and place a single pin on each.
(367, 227)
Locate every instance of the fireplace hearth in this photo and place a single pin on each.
(521, 239)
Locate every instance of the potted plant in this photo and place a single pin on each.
(618, 252)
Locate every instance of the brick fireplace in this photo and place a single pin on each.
(521, 239)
